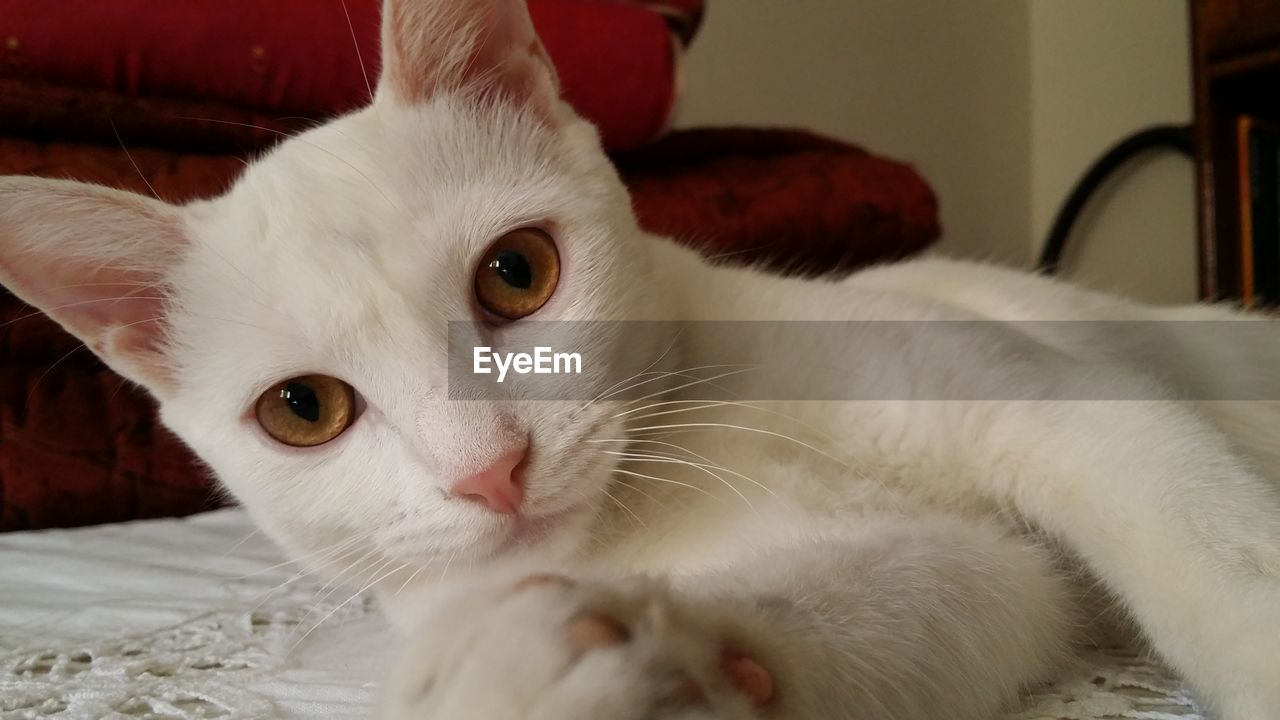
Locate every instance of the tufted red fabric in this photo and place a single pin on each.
(791, 200)
(299, 57)
(79, 446)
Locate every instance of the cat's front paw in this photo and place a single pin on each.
(545, 647)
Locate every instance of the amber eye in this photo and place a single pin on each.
(518, 274)
(308, 410)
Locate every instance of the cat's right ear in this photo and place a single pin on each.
(95, 260)
(431, 47)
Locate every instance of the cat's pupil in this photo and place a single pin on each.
(513, 268)
(302, 401)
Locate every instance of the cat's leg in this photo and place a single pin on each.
(894, 621)
(1161, 507)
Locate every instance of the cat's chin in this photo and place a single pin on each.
(544, 542)
(540, 534)
(552, 536)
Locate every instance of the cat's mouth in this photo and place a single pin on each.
(529, 532)
(557, 517)
(508, 536)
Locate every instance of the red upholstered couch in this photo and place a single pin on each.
(78, 445)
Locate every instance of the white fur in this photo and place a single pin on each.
(905, 560)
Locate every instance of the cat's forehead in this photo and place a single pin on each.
(364, 232)
(457, 168)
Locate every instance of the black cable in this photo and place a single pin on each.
(1169, 137)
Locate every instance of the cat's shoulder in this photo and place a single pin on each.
(990, 290)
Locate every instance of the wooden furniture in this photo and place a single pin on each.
(1236, 57)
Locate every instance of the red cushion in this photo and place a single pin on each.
(616, 60)
(788, 199)
(79, 446)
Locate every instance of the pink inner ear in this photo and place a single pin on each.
(434, 46)
(118, 314)
(95, 260)
(134, 310)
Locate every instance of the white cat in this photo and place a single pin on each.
(902, 558)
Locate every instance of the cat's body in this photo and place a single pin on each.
(962, 482)
(918, 452)
(926, 551)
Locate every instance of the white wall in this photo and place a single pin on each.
(939, 83)
(1101, 69)
(1001, 104)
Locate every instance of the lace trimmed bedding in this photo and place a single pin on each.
(196, 618)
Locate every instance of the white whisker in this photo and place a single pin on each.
(447, 563)
(634, 517)
(711, 425)
(252, 533)
(330, 587)
(699, 381)
(623, 482)
(646, 369)
(344, 603)
(665, 480)
(359, 58)
(298, 576)
(325, 551)
(408, 580)
(709, 404)
(705, 467)
(111, 121)
(78, 303)
(699, 467)
(321, 148)
(661, 375)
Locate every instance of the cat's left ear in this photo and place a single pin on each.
(97, 261)
(436, 46)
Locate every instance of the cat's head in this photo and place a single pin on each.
(294, 329)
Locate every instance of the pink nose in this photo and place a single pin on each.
(498, 486)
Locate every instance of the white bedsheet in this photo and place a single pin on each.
(191, 619)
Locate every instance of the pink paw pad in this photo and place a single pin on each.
(543, 579)
(749, 677)
(593, 630)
